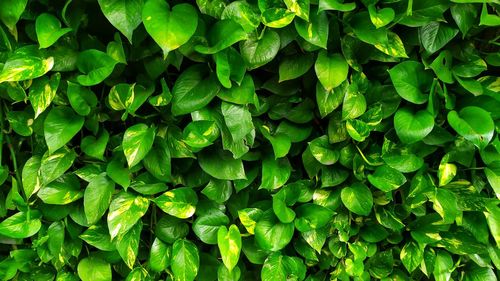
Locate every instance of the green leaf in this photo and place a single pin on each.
(336, 5)
(124, 212)
(300, 8)
(193, 90)
(200, 133)
(354, 104)
(95, 147)
(170, 29)
(98, 236)
(179, 202)
(95, 65)
(60, 126)
(125, 15)
(315, 30)
(31, 178)
(411, 81)
(280, 267)
(435, 36)
(54, 165)
(412, 256)
(445, 204)
(271, 234)
(229, 66)
(185, 260)
(412, 127)
(62, 191)
(42, 92)
(48, 30)
(474, 124)
(443, 266)
(222, 35)
(465, 16)
(328, 101)
(293, 67)
(323, 151)
(160, 256)
(10, 12)
(382, 17)
(81, 99)
(386, 178)
(127, 244)
(221, 165)
(26, 63)
(277, 17)
(275, 172)
(206, 226)
(238, 120)
(357, 198)
(94, 269)
(312, 216)
(21, 225)
(137, 142)
(229, 242)
(247, 15)
(258, 51)
(331, 69)
(97, 197)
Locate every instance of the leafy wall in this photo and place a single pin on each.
(274, 140)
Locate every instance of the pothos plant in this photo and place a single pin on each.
(249, 140)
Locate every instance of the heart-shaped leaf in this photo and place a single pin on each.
(169, 28)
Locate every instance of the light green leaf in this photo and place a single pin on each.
(127, 244)
(293, 67)
(412, 256)
(271, 234)
(124, 212)
(95, 65)
(331, 69)
(11, 10)
(94, 269)
(169, 28)
(48, 30)
(185, 260)
(275, 172)
(160, 256)
(54, 165)
(386, 178)
(42, 92)
(357, 198)
(137, 142)
(178, 202)
(21, 225)
(229, 242)
(62, 191)
(474, 124)
(26, 63)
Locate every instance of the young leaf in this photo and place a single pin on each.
(229, 242)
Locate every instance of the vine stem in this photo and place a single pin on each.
(8, 141)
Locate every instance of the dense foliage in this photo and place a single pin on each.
(274, 140)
